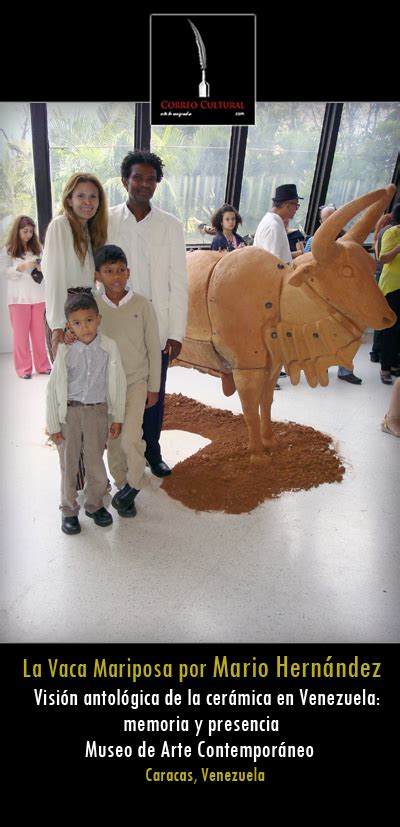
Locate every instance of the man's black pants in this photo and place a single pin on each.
(153, 419)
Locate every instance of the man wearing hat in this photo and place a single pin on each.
(271, 232)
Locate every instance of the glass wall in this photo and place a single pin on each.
(89, 137)
(281, 149)
(366, 150)
(17, 180)
(196, 165)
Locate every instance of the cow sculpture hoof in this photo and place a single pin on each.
(267, 442)
(260, 459)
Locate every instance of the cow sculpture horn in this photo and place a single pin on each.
(359, 231)
(324, 245)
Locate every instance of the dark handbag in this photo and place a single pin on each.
(37, 275)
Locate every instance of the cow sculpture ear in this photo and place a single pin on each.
(302, 274)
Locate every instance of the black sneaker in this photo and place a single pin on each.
(125, 497)
(101, 517)
(70, 525)
(130, 511)
(160, 469)
(351, 379)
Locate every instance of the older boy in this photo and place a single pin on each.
(87, 381)
(130, 320)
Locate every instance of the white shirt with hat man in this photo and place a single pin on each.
(271, 232)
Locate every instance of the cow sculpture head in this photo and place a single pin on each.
(340, 271)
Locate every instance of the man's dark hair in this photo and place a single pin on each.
(80, 299)
(111, 253)
(139, 156)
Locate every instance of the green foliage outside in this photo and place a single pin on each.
(366, 151)
(90, 138)
(281, 149)
(17, 182)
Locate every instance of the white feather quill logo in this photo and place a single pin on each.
(204, 87)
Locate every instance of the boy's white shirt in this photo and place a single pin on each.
(125, 299)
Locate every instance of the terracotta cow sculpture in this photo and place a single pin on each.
(250, 314)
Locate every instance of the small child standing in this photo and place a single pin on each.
(86, 382)
(130, 320)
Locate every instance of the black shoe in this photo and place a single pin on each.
(130, 511)
(160, 469)
(26, 376)
(277, 387)
(125, 497)
(374, 357)
(45, 372)
(102, 517)
(354, 380)
(282, 373)
(70, 525)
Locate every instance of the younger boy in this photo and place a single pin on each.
(86, 382)
(130, 320)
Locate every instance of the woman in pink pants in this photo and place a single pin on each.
(26, 297)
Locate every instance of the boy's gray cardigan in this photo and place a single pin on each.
(57, 387)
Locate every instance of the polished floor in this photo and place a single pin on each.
(319, 565)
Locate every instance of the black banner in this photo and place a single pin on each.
(223, 715)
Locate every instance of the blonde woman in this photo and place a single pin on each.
(71, 240)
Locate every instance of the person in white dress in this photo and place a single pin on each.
(26, 297)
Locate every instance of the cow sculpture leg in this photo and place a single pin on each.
(265, 408)
(250, 386)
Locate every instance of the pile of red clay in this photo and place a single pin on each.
(220, 477)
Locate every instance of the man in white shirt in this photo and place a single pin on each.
(154, 244)
(271, 232)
